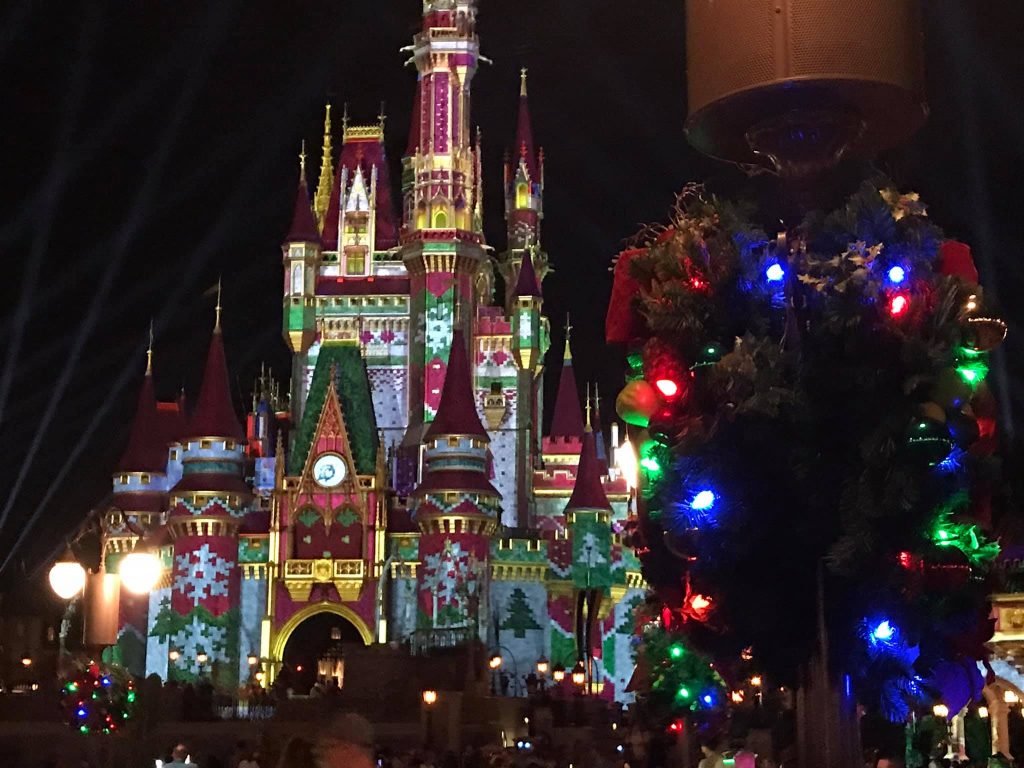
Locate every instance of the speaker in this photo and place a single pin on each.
(796, 84)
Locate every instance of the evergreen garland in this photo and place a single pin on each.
(97, 699)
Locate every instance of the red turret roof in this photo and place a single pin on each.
(214, 415)
(364, 154)
(524, 134)
(527, 284)
(171, 420)
(456, 413)
(589, 491)
(303, 229)
(146, 451)
(568, 418)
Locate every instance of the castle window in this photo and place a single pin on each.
(453, 442)
(440, 220)
(229, 445)
(297, 279)
(144, 479)
(205, 444)
(522, 196)
(495, 387)
(296, 251)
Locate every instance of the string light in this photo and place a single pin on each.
(668, 388)
(883, 632)
(775, 273)
(896, 274)
(898, 305)
(703, 500)
(676, 651)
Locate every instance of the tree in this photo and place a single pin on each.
(520, 615)
(811, 410)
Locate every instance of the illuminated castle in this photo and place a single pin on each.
(404, 486)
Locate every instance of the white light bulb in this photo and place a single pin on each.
(140, 571)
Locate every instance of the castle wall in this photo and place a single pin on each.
(521, 611)
(253, 608)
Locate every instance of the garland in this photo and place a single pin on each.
(97, 698)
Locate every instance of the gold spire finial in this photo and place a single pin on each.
(302, 160)
(457, 309)
(522, 81)
(588, 427)
(344, 119)
(326, 181)
(216, 325)
(381, 117)
(149, 350)
(568, 335)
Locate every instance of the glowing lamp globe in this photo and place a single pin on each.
(67, 578)
(558, 673)
(625, 457)
(774, 273)
(140, 571)
(579, 674)
(495, 661)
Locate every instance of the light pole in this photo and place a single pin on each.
(429, 700)
(496, 662)
(542, 671)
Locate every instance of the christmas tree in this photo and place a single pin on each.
(814, 432)
(520, 617)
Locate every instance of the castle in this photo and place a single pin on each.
(403, 486)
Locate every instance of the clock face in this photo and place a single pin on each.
(329, 470)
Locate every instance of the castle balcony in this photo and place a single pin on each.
(423, 641)
(347, 576)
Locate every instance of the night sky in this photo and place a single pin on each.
(151, 146)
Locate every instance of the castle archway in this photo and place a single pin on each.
(312, 633)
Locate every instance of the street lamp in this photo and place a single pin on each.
(429, 697)
(174, 654)
(558, 673)
(542, 666)
(67, 577)
(940, 710)
(140, 571)
(579, 674)
(253, 660)
(495, 661)
(26, 661)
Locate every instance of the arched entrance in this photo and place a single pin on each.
(311, 636)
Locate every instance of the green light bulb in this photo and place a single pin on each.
(683, 692)
(676, 651)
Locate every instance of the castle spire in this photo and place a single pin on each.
(305, 228)
(216, 323)
(567, 421)
(527, 283)
(588, 493)
(456, 412)
(149, 350)
(145, 452)
(326, 181)
(524, 132)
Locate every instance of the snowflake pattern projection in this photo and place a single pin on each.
(198, 637)
(451, 577)
(202, 574)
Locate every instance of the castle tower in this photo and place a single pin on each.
(442, 238)
(524, 202)
(301, 256)
(200, 620)
(325, 183)
(456, 508)
(139, 493)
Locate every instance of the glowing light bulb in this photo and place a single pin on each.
(676, 651)
(884, 631)
(896, 274)
(940, 710)
(703, 500)
(898, 305)
(140, 571)
(683, 692)
(668, 388)
(775, 273)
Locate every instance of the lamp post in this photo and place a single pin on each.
(542, 671)
(140, 570)
(496, 661)
(558, 673)
(429, 700)
(579, 674)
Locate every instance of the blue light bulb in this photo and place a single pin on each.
(704, 500)
(775, 273)
(707, 699)
(884, 631)
(82, 713)
(897, 274)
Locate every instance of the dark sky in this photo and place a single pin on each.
(149, 147)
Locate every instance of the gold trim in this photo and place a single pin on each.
(255, 570)
(405, 570)
(280, 638)
(202, 525)
(507, 571)
(635, 580)
(456, 524)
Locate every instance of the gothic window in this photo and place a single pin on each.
(355, 263)
(297, 279)
(522, 196)
(440, 220)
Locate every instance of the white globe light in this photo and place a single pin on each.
(67, 578)
(140, 571)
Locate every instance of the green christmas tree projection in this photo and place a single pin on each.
(520, 617)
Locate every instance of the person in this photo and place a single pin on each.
(179, 758)
(346, 743)
(251, 760)
(298, 753)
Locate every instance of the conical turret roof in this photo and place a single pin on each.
(303, 228)
(214, 414)
(524, 132)
(567, 421)
(146, 451)
(589, 492)
(527, 283)
(456, 413)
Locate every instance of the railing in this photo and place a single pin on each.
(245, 711)
(423, 641)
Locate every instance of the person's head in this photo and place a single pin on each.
(298, 753)
(346, 743)
(179, 753)
(707, 748)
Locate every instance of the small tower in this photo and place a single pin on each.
(524, 201)
(301, 255)
(456, 508)
(206, 509)
(567, 420)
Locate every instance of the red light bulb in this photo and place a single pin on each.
(668, 388)
(898, 305)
